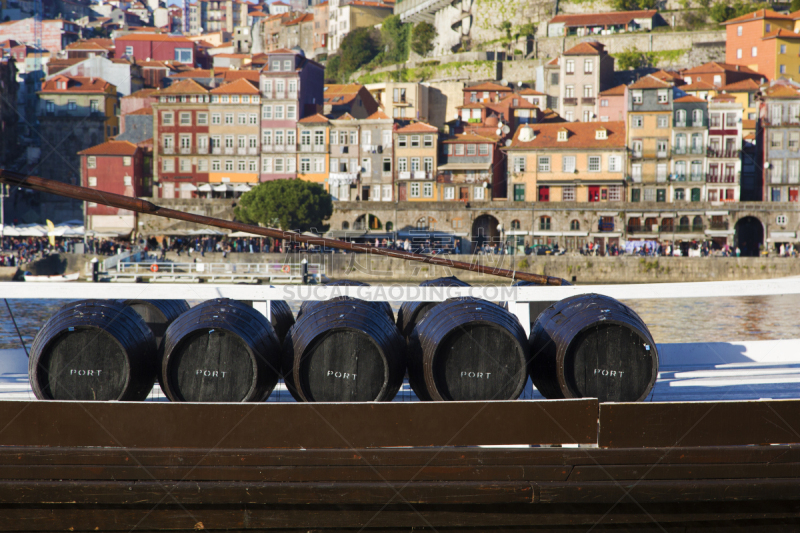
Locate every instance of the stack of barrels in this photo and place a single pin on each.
(345, 349)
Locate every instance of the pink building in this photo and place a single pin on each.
(56, 34)
(156, 47)
(611, 104)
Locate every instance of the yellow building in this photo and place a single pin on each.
(314, 134)
(569, 162)
(416, 153)
(234, 130)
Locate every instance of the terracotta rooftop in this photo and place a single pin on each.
(142, 111)
(76, 85)
(313, 119)
(188, 86)
(748, 124)
(586, 49)
(194, 73)
(550, 116)
(418, 127)
(471, 137)
(781, 91)
(379, 115)
(305, 17)
(581, 135)
(603, 19)
(619, 90)
(780, 33)
(689, 99)
(143, 93)
(744, 85)
(251, 75)
(650, 82)
(716, 66)
(758, 15)
(487, 87)
(698, 86)
(86, 45)
(154, 37)
(723, 98)
(240, 86)
(111, 148)
(530, 92)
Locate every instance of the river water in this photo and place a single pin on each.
(723, 319)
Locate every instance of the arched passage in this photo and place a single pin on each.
(749, 236)
(484, 230)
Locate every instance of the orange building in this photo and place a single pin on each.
(766, 42)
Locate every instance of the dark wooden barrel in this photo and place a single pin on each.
(384, 307)
(411, 312)
(468, 349)
(157, 314)
(343, 351)
(93, 350)
(593, 346)
(281, 318)
(220, 351)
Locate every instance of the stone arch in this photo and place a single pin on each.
(749, 235)
(484, 230)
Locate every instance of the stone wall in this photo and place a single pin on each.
(641, 41)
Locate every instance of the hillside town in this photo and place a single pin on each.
(549, 138)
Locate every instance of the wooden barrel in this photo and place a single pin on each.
(384, 307)
(411, 312)
(593, 346)
(281, 318)
(343, 351)
(220, 351)
(93, 350)
(468, 349)
(158, 315)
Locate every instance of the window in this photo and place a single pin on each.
(637, 122)
(242, 119)
(614, 163)
(229, 165)
(169, 142)
(266, 112)
(202, 165)
(562, 135)
(568, 163)
(449, 192)
(402, 164)
(661, 172)
(603, 103)
(266, 165)
(186, 119)
(91, 162)
(279, 137)
(570, 66)
(428, 141)
(402, 141)
(544, 223)
(278, 112)
(544, 164)
(783, 69)
(636, 172)
(387, 165)
(663, 96)
(519, 195)
(459, 149)
(414, 193)
(636, 195)
(776, 140)
(663, 121)
(278, 164)
(92, 181)
(94, 106)
(229, 119)
(471, 149)
(569, 91)
(519, 164)
(739, 31)
(738, 53)
(568, 193)
(754, 51)
(427, 190)
(661, 195)
(229, 141)
(291, 137)
(615, 193)
(287, 64)
(202, 119)
(594, 163)
(129, 51)
(183, 55)
(291, 112)
(588, 66)
(216, 165)
(185, 165)
(305, 165)
(168, 165)
(637, 97)
(167, 118)
(186, 142)
(544, 193)
(483, 149)
(415, 141)
(479, 193)
(427, 164)
(679, 194)
(574, 225)
(588, 91)
(216, 118)
(414, 164)
(780, 220)
(292, 87)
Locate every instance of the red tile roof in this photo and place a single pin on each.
(723, 98)
(111, 148)
(251, 75)
(487, 87)
(305, 17)
(716, 66)
(240, 86)
(689, 99)
(142, 111)
(155, 37)
(143, 93)
(650, 82)
(619, 90)
(586, 49)
(471, 136)
(418, 127)
(698, 86)
(188, 86)
(603, 19)
(758, 15)
(194, 73)
(528, 91)
(313, 119)
(378, 115)
(782, 34)
(781, 91)
(744, 85)
(76, 85)
(582, 135)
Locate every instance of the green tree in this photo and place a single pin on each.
(647, 4)
(624, 5)
(422, 38)
(395, 37)
(292, 204)
(721, 11)
(795, 6)
(358, 48)
(631, 59)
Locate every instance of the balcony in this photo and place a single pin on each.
(587, 101)
(698, 124)
(723, 154)
(422, 175)
(216, 150)
(320, 148)
(679, 177)
(291, 147)
(570, 101)
(718, 225)
(680, 124)
(202, 150)
(404, 175)
(241, 150)
(278, 148)
(642, 229)
(689, 228)
(186, 150)
(168, 150)
(229, 151)
(680, 150)
(697, 150)
(716, 178)
(605, 226)
(252, 150)
(662, 154)
(637, 155)
(696, 177)
(266, 148)
(305, 147)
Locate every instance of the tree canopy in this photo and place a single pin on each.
(725, 10)
(422, 37)
(395, 39)
(291, 204)
(358, 48)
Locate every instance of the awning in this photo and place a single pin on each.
(242, 187)
(690, 213)
(609, 234)
(350, 234)
(719, 233)
(716, 213)
(222, 187)
(518, 232)
(608, 214)
(536, 233)
(237, 234)
(188, 187)
(778, 235)
(466, 166)
(633, 215)
(651, 215)
(206, 187)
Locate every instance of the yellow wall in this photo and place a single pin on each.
(422, 153)
(791, 59)
(234, 177)
(315, 177)
(649, 134)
